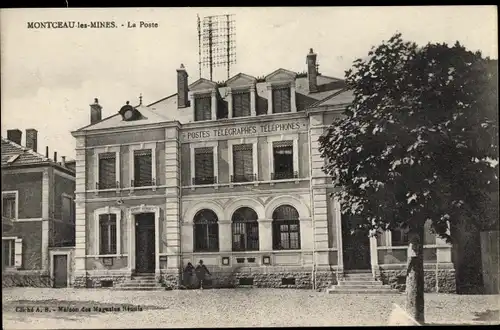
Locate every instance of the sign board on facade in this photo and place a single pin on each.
(243, 131)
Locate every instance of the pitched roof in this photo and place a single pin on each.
(165, 110)
(14, 154)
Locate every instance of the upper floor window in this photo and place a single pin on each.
(107, 232)
(286, 228)
(399, 237)
(204, 166)
(202, 107)
(243, 170)
(143, 166)
(8, 253)
(68, 209)
(241, 104)
(206, 231)
(9, 204)
(245, 230)
(281, 99)
(107, 171)
(283, 160)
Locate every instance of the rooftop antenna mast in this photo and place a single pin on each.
(199, 44)
(218, 43)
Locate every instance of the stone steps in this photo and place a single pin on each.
(140, 283)
(360, 282)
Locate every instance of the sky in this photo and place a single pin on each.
(49, 77)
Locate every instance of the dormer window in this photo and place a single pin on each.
(281, 99)
(202, 107)
(129, 113)
(241, 103)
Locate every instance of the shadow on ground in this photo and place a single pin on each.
(67, 309)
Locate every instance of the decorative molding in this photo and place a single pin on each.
(192, 208)
(255, 154)
(142, 146)
(14, 193)
(206, 144)
(237, 203)
(106, 149)
(107, 210)
(294, 137)
(300, 206)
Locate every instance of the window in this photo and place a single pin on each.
(203, 107)
(243, 163)
(68, 209)
(245, 230)
(143, 174)
(107, 239)
(8, 253)
(107, 171)
(283, 160)
(399, 237)
(9, 205)
(241, 104)
(281, 99)
(286, 228)
(206, 231)
(204, 166)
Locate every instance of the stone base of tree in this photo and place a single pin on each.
(446, 282)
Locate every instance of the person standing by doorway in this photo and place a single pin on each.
(201, 273)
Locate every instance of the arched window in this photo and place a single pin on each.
(286, 228)
(245, 230)
(206, 231)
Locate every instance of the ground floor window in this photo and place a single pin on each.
(286, 228)
(245, 230)
(107, 226)
(206, 231)
(8, 252)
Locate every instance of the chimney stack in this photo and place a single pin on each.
(55, 156)
(14, 135)
(63, 161)
(32, 139)
(312, 71)
(182, 87)
(95, 112)
(47, 152)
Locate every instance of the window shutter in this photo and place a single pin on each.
(241, 104)
(285, 100)
(143, 175)
(107, 239)
(203, 107)
(283, 159)
(243, 162)
(204, 164)
(277, 101)
(107, 170)
(18, 248)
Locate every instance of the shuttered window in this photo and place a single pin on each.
(241, 104)
(204, 166)
(9, 206)
(68, 209)
(286, 228)
(107, 170)
(243, 163)
(245, 230)
(206, 231)
(399, 237)
(107, 239)
(281, 99)
(8, 253)
(143, 169)
(202, 107)
(283, 160)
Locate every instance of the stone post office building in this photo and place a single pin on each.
(231, 174)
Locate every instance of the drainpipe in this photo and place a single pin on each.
(311, 192)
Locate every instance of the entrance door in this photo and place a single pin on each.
(145, 243)
(60, 271)
(356, 246)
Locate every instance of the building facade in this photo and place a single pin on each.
(38, 231)
(230, 174)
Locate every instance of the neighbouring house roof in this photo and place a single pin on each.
(330, 93)
(14, 155)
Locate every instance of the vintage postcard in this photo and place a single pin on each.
(207, 167)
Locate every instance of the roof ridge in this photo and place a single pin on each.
(327, 98)
(25, 149)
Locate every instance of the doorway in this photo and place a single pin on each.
(60, 271)
(355, 245)
(145, 243)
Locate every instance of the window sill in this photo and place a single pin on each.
(97, 256)
(125, 189)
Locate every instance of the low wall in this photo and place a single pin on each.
(39, 280)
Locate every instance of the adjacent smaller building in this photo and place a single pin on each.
(38, 218)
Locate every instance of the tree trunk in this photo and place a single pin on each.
(415, 276)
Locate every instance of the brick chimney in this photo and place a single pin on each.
(95, 112)
(312, 71)
(14, 135)
(32, 139)
(182, 87)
